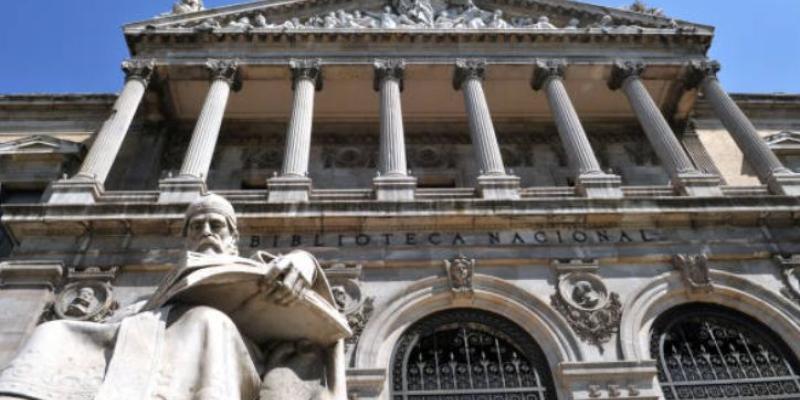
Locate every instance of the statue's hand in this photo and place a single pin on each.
(289, 285)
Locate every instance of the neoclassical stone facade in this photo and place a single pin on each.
(510, 199)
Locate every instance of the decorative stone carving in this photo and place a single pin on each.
(790, 272)
(468, 69)
(592, 311)
(346, 286)
(694, 271)
(187, 6)
(85, 301)
(546, 69)
(623, 70)
(225, 70)
(784, 142)
(139, 69)
(389, 69)
(700, 70)
(306, 69)
(460, 271)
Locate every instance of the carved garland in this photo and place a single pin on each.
(592, 311)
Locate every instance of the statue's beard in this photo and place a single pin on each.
(212, 245)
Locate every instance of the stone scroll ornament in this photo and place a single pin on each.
(694, 272)
(790, 272)
(591, 310)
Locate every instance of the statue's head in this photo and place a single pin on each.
(210, 226)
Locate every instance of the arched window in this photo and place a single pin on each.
(469, 354)
(710, 352)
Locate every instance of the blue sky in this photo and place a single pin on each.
(57, 46)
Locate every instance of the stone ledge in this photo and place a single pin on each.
(27, 273)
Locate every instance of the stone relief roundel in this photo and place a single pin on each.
(583, 290)
(84, 301)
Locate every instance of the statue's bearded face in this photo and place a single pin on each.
(210, 233)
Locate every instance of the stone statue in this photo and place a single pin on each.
(166, 348)
(187, 6)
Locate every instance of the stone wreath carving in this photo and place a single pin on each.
(346, 288)
(592, 311)
(85, 301)
(790, 272)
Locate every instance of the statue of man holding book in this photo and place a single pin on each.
(218, 327)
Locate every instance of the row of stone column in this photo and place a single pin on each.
(393, 182)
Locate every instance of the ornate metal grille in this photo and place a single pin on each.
(708, 352)
(469, 354)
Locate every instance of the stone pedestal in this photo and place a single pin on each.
(182, 189)
(602, 186)
(609, 380)
(289, 189)
(498, 187)
(78, 190)
(698, 184)
(26, 288)
(395, 188)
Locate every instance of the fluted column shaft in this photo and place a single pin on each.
(656, 127)
(755, 150)
(298, 137)
(579, 151)
(197, 160)
(103, 152)
(388, 80)
(484, 140)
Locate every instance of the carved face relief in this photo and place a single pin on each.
(84, 301)
(592, 311)
(209, 233)
(583, 290)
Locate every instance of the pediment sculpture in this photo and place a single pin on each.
(219, 326)
(403, 14)
(187, 6)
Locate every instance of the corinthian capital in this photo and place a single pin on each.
(139, 69)
(468, 69)
(700, 70)
(544, 70)
(389, 69)
(306, 69)
(225, 70)
(623, 70)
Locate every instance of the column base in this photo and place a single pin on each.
(76, 190)
(498, 187)
(697, 184)
(613, 379)
(784, 183)
(394, 188)
(288, 189)
(599, 186)
(181, 189)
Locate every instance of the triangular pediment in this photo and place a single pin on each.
(784, 141)
(39, 144)
(409, 15)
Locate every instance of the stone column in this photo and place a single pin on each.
(393, 182)
(493, 182)
(26, 288)
(590, 180)
(770, 170)
(87, 185)
(294, 185)
(191, 180)
(685, 177)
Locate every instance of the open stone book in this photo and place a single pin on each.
(238, 287)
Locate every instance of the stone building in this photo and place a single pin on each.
(535, 199)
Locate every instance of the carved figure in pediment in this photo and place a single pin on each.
(388, 19)
(218, 326)
(241, 23)
(497, 20)
(543, 23)
(187, 6)
(573, 23)
(589, 307)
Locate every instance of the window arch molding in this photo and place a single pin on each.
(667, 291)
(430, 295)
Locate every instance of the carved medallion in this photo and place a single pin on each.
(583, 299)
(346, 288)
(85, 301)
(790, 272)
(460, 271)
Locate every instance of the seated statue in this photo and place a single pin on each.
(166, 348)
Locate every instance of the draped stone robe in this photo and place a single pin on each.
(169, 352)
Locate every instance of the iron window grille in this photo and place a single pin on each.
(710, 352)
(472, 355)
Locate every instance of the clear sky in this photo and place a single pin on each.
(57, 46)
